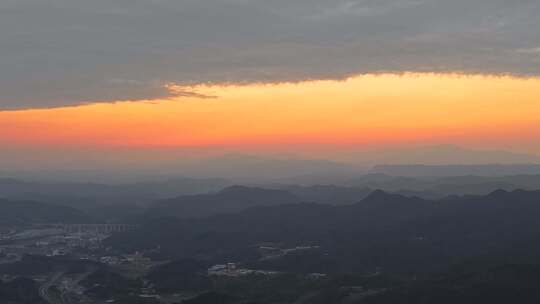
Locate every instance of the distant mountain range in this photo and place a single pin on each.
(228, 200)
(453, 160)
(30, 212)
(157, 189)
(456, 170)
(308, 167)
(92, 193)
(438, 187)
(244, 168)
(205, 197)
(105, 202)
(440, 155)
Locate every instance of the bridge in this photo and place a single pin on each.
(96, 228)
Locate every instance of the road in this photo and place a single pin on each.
(65, 295)
(44, 289)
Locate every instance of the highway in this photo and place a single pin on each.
(44, 289)
(64, 297)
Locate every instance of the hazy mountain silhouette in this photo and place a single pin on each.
(231, 199)
(329, 194)
(456, 170)
(29, 212)
(443, 155)
(141, 190)
(251, 167)
(438, 187)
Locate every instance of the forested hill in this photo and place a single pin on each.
(383, 230)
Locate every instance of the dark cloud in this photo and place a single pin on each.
(69, 52)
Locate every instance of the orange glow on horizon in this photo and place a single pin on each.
(371, 109)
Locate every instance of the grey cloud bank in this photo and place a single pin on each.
(70, 52)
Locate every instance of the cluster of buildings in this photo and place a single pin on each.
(231, 270)
(267, 251)
(65, 244)
(271, 251)
(56, 240)
(138, 260)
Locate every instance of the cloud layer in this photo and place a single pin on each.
(70, 52)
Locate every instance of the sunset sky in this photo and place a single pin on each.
(387, 109)
(309, 78)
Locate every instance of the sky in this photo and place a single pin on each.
(309, 78)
